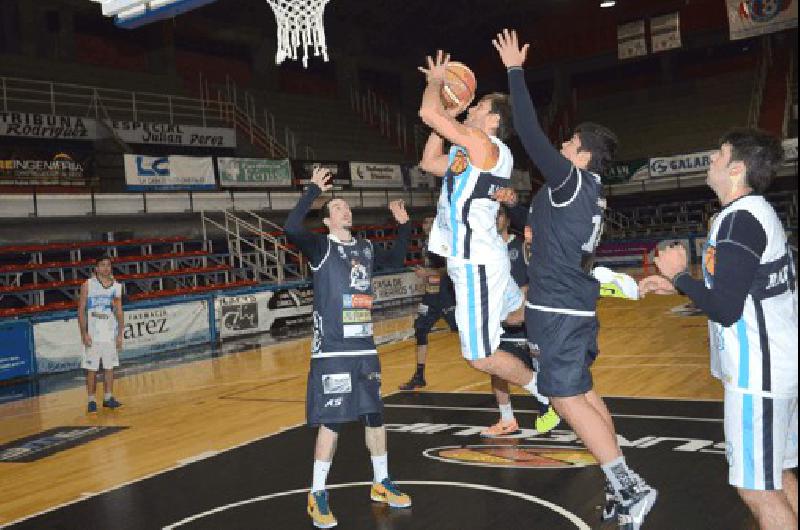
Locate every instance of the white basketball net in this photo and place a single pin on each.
(299, 24)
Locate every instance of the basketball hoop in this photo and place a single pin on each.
(299, 24)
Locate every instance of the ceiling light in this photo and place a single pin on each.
(608, 3)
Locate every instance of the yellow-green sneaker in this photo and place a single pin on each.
(548, 421)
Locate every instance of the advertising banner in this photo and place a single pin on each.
(266, 311)
(47, 126)
(144, 172)
(253, 172)
(419, 179)
(748, 18)
(304, 168)
(371, 175)
(27, 167)
(790, 150)
(618, 172)
(16, 358)
(630, 40)
(669, 166)
(139, 132)
(58, 344)
(665, 32)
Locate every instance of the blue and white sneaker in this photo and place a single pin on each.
(111, 403)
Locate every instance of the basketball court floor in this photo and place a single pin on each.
(219, 442)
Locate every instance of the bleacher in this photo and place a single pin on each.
(669, 119)
(692, 216)
(38, 278)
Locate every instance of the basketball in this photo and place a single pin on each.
(459, 85)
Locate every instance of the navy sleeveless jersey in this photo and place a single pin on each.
(343, 300)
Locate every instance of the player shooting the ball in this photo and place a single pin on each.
(465, 231)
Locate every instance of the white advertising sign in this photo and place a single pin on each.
(144, 172)
(58, 344)
(667, 166)
(32, 125)
(630, 40)
(139, 132)
(665, 32)
(370, 175)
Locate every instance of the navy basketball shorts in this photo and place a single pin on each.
(567, 347)
(342, 389)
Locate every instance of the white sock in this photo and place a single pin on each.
(533, 389)
(107, 396)
(321, 469)
(506, 411)
(91, 398)
(619, 474)
(380, 468)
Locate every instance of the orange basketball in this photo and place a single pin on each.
(459, 85)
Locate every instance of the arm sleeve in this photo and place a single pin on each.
(740, 244)
(554, 167)
(312, 245)
(394, 258)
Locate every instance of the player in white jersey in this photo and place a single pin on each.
(465, 232)
(101, 323)
(749, 292)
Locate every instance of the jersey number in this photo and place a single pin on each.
(597, 231)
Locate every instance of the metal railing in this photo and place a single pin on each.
(376, 112)
(757, 97)
(251, 245)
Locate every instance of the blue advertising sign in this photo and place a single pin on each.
(16, 357)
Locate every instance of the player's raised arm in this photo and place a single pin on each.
(552, 164)
(434, 159)
(480, 149)
(309, 243)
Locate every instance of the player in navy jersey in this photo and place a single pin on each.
(465, 233)
(749, 292)
(515, 341)
(566, 218)
(344, 381)
(437, 302)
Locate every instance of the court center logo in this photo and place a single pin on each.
(513, 456)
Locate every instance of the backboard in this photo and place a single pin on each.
(135, 13)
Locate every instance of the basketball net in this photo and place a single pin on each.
(299, 24)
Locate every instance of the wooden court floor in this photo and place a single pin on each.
(176, 414)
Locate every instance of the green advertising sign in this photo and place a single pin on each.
(253, 172)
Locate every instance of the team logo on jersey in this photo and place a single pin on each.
(336, 383)
(359, 278)
(515, 456)
(356, 316)
(513, 254)
(342, 253)
(368, 252)
(460, 163)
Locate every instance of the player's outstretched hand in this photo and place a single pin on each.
(507, 45)
(436, 68)
(322, 177)
(398, 209)
(506, 196)
(655, 284)
(672, 260)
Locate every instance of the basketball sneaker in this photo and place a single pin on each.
(637, 501)
(92, 407)
(616, 284)
(111, 403)
(319, 511)
(388, 492)
(413, 383)
(501, 428)
(612, 503)
(548, 421)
